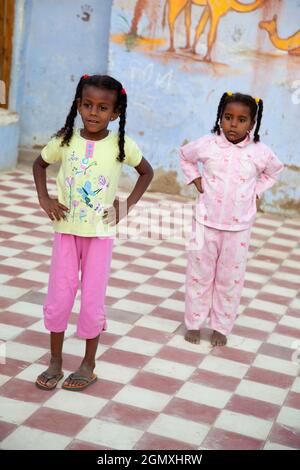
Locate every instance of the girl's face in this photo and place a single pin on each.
(236, 122)
(97, 109)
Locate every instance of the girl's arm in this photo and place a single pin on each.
(190, 155)
(269, 174)
(189, 162)
(122, 209)
(53, 208)
(146, 173)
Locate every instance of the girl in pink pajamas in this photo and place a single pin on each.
(236, 169)
(84, 217)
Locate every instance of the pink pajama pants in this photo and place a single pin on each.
(215, 278)
(72, 253)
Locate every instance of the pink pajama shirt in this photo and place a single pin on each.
(71, 254)
(232, 176)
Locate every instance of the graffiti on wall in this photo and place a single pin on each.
(177, 57)
(164, 16)
(290, 44)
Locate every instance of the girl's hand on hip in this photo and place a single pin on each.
(53, 208)
(198, 183)
(115, 213)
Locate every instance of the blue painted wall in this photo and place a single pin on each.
(61, 41)
(9, 137)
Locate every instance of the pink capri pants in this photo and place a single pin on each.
(72, 253)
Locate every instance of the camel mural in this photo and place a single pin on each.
(290, 44)
(213, 11)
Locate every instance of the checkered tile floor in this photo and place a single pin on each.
(155, 391)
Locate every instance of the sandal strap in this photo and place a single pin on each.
(48, 376)
(75, 376)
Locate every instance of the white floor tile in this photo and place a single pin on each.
(15, 411)
(282, 340)
(205, 395)
(4, 251)
(277, 290)
(114, 372)
(289, 417)
(245, 344)
(292, 322)
(173, 304)
(275, 364)
(270, 307)
(273, 253)
(24, 352)
(255, 323)
(295, 302)
(157, 323)
(150, 263)
(142, 398)
(256, 277)
(25, 438)
(157, 291)
(172, 428)
(9, 332)
(26, 308)
(224, 366)
(85, 405)
(11, 292)
(129, 275)
(116, 292)
(244, 424)
(118, 328)
(296, 385)
(263, 392)
(287, 277)
(111, 435)
(169, 369)
(133, 306)
(37, 276)
(139, 346)
(171, 276)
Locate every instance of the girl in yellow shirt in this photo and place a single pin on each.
(84, 217)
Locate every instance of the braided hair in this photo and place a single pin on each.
(104, 82)
(255, 106)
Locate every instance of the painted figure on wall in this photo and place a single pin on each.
(212, 13)
(290, 44)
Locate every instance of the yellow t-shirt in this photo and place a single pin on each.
(88, 179)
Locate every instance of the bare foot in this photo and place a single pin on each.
(218, 339)
(192, 336)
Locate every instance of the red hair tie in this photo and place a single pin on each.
(85, 76)
(123, 91)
